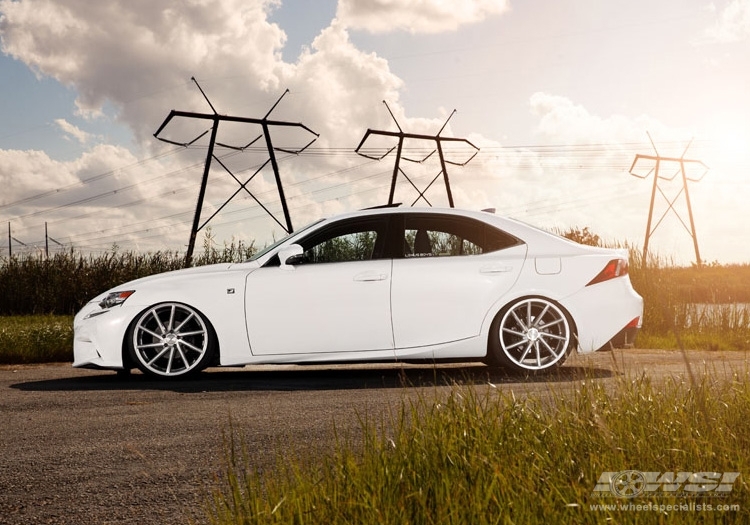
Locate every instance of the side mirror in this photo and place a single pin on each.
(290, 255)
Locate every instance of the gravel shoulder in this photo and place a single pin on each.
(82, 446)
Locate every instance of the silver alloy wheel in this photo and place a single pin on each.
(170, 339)
(534, 334)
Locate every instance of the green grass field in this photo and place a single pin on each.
(479, 455)
(33, 288)
(36, 339)
(483, 456)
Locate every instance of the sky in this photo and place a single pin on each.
(560, 98)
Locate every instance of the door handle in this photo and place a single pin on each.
(370, 276)
(496, 269)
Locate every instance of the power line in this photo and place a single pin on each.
(437, 139)
(507, 151)
(86, 181)
(265, 124)
(573, 154)
(121, 231)
(529, 209)
(682, 162)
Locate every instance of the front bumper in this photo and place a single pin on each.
(98, 339)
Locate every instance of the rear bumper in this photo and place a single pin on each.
(625, 338)
(610, 311)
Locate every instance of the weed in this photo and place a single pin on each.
(482, 456)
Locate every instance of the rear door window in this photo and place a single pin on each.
(450, 236)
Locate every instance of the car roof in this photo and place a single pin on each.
(528, 233)
(395, 209)
(511, 225)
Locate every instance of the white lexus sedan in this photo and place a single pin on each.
(374, 285)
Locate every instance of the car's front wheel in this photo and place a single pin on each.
(532, 334)
(171, 340)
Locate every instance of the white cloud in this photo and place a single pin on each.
(563, 121)
(416, 16)
(733, 24)
(77, 133)
(142, 64)
(87, 112)
(139, 55)
(94, 196)
(347, 85)
(39, 172)
(133, 52)
(591, 186)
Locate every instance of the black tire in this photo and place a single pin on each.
(530, 335)
(171, 340)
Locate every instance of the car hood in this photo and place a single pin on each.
(182, 274)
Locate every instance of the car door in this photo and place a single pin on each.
(452, 271)
(336, 298)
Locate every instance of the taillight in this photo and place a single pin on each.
(635, 323)
(614, 268)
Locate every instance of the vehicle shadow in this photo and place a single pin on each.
(302, 378)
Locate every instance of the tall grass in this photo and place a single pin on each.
(62, 283)
(39, 295)
(36, 339)
(674, 297)
(481, 456)
(707, 306)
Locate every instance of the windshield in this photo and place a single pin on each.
(281, 241)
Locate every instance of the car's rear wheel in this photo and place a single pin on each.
(532, 334)
(171, 340)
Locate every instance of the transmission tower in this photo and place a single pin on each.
(266, 126)
(658, 161)
(11, 239)
(47, 239)
(437, 139)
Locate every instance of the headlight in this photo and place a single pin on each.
(115, 299)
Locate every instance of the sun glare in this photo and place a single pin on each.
(736, 147)
(732, 145)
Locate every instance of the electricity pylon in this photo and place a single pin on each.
(215, 118)
(658, 160)
(437, 139)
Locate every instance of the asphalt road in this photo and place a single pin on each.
(87, 447)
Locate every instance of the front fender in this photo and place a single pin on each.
(99, 335)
